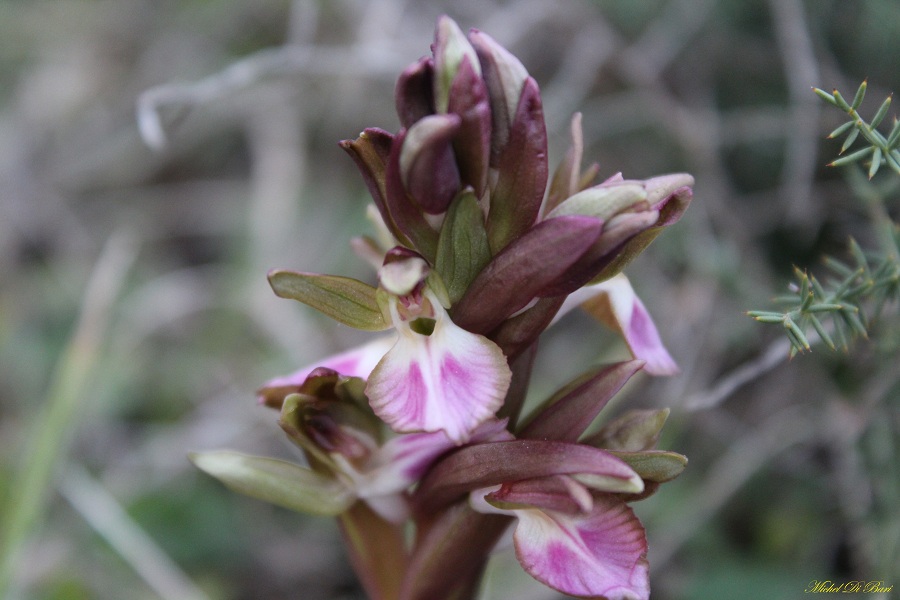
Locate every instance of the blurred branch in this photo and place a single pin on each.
(55, 423)
(369, 61)
(101, 510)
(801, 71)
(772, 357)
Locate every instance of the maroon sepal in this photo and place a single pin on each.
(472, 145)
(567, 414)
(371, 152)
(485, 465)
(427, 163)
(521, 367)
(402, 209)
(524, 268)
(517, 333)
(522, 172)
(557, 493)
(414, 93)
(607, 249)
(670, 211)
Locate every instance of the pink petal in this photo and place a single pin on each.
(402, 461)
(450, 381)
(643, 339)
(615, 303)
(602, 553)
(357, 362)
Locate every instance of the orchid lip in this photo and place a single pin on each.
(447, 380)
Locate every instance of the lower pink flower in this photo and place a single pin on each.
(594, 551)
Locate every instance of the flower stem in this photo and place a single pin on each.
(377, 551)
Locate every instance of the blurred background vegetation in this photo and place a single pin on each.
(133, 297)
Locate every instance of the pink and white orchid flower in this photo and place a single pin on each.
(432, 377)
(450, 380)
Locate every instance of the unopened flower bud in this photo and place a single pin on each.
(505, 77)
(427, 164)
(451, 49)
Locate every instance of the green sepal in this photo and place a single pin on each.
(345, 300)
(657, 466)
(276, 481)
(602, 202)
(634, 431)
(463, 249)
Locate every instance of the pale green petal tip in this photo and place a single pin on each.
(276, 481)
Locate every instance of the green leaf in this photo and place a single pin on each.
(654, 465)
(849, 141)
(825, 96)
(894, 136)
(277, 481)
(824, 307)
(767, 317)
(893, 162)
(345, 300)
(840, 130)
(851, 158)
(876, 163)
(882, 111)
(798, 338)
(839, 99)
(860, 94)
(463, 249)
(817, 324)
